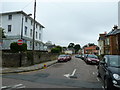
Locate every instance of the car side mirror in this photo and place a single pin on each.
(102, 62)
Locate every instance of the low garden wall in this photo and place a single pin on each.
(13, 59)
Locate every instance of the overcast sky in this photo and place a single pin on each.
(67, 21)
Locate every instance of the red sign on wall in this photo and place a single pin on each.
(20, 42)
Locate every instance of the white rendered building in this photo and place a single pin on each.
(19, 25)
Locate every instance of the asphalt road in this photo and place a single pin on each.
(72, 74)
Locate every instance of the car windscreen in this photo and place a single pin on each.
(92, 56)
(114, 61)
(62, 56)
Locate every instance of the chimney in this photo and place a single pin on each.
(115, 27)
(105, 32)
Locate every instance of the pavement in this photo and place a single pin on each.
(27, 69)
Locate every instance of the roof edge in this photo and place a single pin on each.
(22, 12)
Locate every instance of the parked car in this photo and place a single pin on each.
(84, 56)
(78, 56)
(69, 57)
(91, 59)
(62, 58)
(109, 71)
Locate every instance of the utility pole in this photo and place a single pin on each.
(34, 31)
(22, 28)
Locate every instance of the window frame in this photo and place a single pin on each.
(31, 32)
(39, 36)
(26, 19)
(10, 17)
(9, 28)
(25, 32)
(36, 35)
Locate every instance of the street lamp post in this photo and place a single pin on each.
(34, 31)
(22, 28)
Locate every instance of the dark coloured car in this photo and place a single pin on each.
(91, 59)
(78, 56)
(62, 58)
(109, 71)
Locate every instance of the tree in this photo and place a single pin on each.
(60, 48)
(64, 48)
(97, 48)
(2, 33)
(84, 46)
(71, 45)
(57, 49)
(77, 48)
(91, 44)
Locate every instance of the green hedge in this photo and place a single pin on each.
(16, 48)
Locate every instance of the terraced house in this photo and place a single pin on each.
(113, 41)
(109, 43)
(19, 25)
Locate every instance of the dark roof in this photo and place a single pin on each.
(101, 38)
(21, 12)
(113, 32)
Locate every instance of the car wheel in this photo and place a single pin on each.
(108, 85)
(105, 85)
(87, 62)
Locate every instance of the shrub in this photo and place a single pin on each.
(55, 50)
(16, 48)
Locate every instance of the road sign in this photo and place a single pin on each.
(20, 42)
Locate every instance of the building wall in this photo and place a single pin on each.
(113, 47)
(15, 33)
(90, 50)
(107, 45)
(15, 22)
(118, 44)
(114, 44)
(101, 47)
(6, 43)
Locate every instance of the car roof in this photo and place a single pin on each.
(111, 55)
(62, 55)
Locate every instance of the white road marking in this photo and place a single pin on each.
(95, 66)
(103, 87)
(98, 79)
(93, 73)
(14, 86)
(68, 75)
(21, 87)
(3, 87)
(73, 72)
(18, 85)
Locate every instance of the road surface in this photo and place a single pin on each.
(72, 74)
